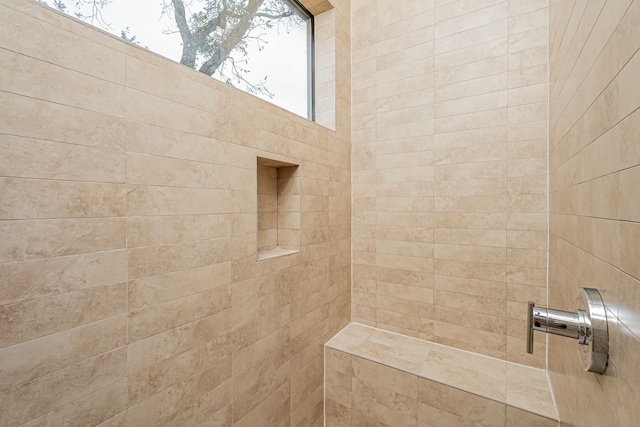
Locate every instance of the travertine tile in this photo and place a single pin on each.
(526, 239)
(462, 236)
(468, 154)
(471, 270)
(105, 61)
(32, 359)
(629, 300)
(172, 143)
(37, 397)
(48, 238)
(462, 122)
(147, 382)
(468, 221)
(147, 200)
(157, 289)
(153, 260)
(474, 373)
(493, 48)
(260, 349)
(385, 377)
(105, 408)
(520, 418)
(31, 117)
(42, 80)
(520, 382)
(484, 203)
(31, 199)
(477, 86)
(467, 286)
(470, 319)
(383, 405)
(39, 158)
(174, 402)
(32, 279)
(32, 319)
(337, 414)
(460, 403)
(429, 416)
(527, 21)
(309, 412)
(266, 385)
(171, 229)
(215, 406)
(172, 114)
(482, 68)
(399, 357)
(421, 328)
(154, 319)
(446, 9)
(472, 36)
(493, 342)
(271, 410)
(152, 75)
(161, 171)
(468, 21)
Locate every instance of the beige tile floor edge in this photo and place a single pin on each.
(416, 382)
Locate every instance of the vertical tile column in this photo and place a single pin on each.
(63, 289)
(404, 172)
(470, 158)
(179, 245)
(363, 165)
(527, 218)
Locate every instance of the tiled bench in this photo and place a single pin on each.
(378, 378)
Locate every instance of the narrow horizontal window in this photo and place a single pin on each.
(264, 47)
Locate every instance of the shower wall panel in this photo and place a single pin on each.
(130, 293)
(594, 164)
(449, 170)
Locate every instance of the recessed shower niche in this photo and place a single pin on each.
(278, 208)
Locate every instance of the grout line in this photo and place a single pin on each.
(548, 377)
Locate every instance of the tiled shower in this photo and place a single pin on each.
(468, 156)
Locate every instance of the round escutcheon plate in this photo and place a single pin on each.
(594, 340)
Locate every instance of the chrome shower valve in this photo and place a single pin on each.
(588, 326)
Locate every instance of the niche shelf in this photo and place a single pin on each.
(278, 192)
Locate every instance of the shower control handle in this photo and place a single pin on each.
(588, 326)
(530, 310)
(557, 322)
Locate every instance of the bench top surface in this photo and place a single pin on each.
(516, 385)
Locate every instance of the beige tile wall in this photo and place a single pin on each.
(129, 288)
(594, 176)
(449, 170)
(267, 177)
(289, 209)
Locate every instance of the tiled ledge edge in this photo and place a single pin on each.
(443, 375)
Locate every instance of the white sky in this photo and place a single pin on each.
(284, 61)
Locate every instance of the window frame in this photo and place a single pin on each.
(301, 10)
(304, 13)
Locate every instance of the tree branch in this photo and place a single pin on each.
(189, 47)
(270, 16)
(231, 41)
